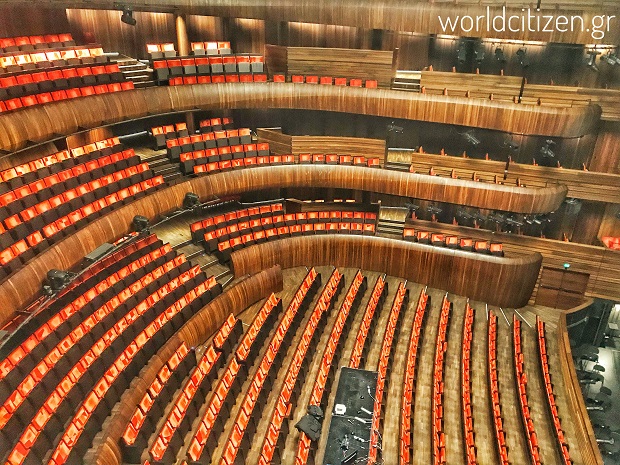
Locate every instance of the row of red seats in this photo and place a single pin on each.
(406, 415)
(330, 352)
(453, 241)
(117, 332)
(441, 346)
(544, 363)
(611, 242)
(245, 422)
(532, 438)
(37, 205)
(377, 297)
(72, 433)
(326, 80)
(22, 250)
(82, 54)
(387, 348)
(262, 319)
(29, 83)
(208, 66)
(228, 334)
(219, 405)
(49, 361)
(332, 159)
(156, 51)
(226, 247)
(34, 187)
(203, 373)
(278, 426)
(58, 95)
(165, 383)
(26, 43)
(56, 319)
(33, 166)
(210, 140)
(216, 79)
(468, 419)
(500, 434)
(251, 214)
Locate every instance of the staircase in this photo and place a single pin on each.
(407, 80)
(161, 164)
(136, 71)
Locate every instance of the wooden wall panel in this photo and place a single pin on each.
(206, 28)
(19, 289)
(66, 117)
(195, 332)
(606, 156)
(283, 143)
(105, 27)
(337, 62)
(388, 14)
(610, 225)
(502, 281)
(24, 20)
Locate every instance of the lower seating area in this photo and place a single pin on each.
(406, 430)
(210, 69)
(437, 423)
(528, 424)
(70, 363)
(47, 199)
(550, 396)
(500, 433)
(326, 372)
(468, 420)
(392, 330)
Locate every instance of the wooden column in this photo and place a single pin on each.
(190, 120)
(182, 38)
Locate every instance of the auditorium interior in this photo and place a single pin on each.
(325, 233)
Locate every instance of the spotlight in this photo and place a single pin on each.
(611, 59)
(461, 52)
(591, 61)
(140, 223)
(499, 55)
(190, 201)
(510, 144)
(546, 151)
(471, 138)
(479, 52)
(127, 16)
(58, 279)
(523, 60)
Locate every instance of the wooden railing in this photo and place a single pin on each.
(502, 281)
(17, 128)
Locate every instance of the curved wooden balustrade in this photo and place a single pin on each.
(20, 288)
(586, 185)
(195, 332)
(502, 281)
(67, 117)
(419, 16)
(600, 263)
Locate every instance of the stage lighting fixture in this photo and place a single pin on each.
(470, 137)
(190, 201)
(127, 17)
(461, 52)
(58, 279)
(499, 55)
(591, 60)
(611, 59)
(479, 52)
(546, 151)
(140, 223)
(523, 60)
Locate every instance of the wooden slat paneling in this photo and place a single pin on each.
(66, 117)
(502, 281)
